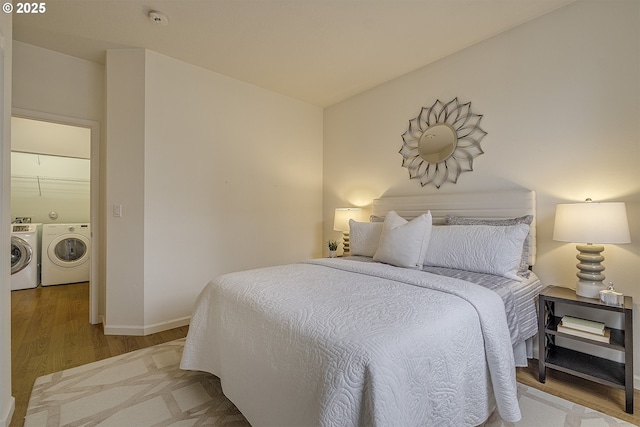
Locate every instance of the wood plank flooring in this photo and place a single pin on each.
(608, 400)
(51, 332)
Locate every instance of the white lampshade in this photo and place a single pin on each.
(592, 223)
(342, 217)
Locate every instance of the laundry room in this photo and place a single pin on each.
(50, 203)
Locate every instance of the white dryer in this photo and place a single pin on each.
(25, 256)
(66, 250)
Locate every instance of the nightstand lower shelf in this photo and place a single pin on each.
(586, 366)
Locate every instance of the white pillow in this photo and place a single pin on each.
(402, 243)
(488, 249)
(364, 237)
(526, 248)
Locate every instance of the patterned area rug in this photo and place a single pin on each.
(147, 388)
(142, 388)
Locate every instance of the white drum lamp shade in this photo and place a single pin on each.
(341, 223)
(590, 225)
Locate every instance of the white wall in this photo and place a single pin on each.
(560, 99)
(37, 136)
(229, 177)
(41, 184)
(51, 82)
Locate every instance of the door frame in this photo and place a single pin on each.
(94, 195)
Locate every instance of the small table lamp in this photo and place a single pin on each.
(341, 223)
(593, 224)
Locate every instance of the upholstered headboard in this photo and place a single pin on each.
(482, 205)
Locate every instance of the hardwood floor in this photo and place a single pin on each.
(602, 398)
(50, 331)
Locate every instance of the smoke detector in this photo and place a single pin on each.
(158, 18)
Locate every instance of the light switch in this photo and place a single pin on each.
(117, 211)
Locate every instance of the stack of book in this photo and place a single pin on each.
(584, 328)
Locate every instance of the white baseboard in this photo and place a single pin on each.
(163, 326)
(143, 330)
(122, 330)
(7, 414)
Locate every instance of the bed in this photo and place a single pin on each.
(367, 340)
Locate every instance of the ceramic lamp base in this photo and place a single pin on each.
(345, 243)
(589, 290)
(590, 273)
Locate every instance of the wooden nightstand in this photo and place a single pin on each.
(584, 365)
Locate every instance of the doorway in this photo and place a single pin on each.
(73, 145)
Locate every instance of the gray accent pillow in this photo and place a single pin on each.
(523, 271)
(375, 218)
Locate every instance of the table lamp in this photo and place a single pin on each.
(341, 223)
(590, 225)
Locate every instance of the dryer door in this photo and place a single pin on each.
(69, 250)
(21, 254)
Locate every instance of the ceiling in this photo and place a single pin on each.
(317, 51)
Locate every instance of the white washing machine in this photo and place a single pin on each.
(25, 256)
(66, 250)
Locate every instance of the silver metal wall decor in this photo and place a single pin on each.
(442, 142)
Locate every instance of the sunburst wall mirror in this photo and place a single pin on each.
(442, 142)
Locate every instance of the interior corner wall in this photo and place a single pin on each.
(213, 175)
(560, 99)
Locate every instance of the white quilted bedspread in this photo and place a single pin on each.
(345, 343)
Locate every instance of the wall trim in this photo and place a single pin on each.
(144, 330)
(163, 326)
(122, 330)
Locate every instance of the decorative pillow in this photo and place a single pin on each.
(523, 270)
(488, 249)
(375, 218)
(404, 243)
(364, 237)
